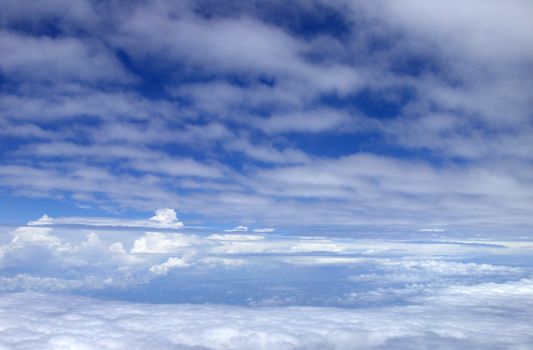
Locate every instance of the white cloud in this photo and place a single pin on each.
(161, 243)
(317, 245)
(240, 237)
(431, 230)
(471, 98)
(434, 271)
(237, 229)
(216, 261)
(163, 218)
(457, 317)
(172, 263)
(25, 282)
(264, 229)
(60, 59)
(34, 235)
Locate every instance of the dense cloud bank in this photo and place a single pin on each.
(484, 316)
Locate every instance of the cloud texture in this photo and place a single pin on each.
(455, 318)
(257, 114)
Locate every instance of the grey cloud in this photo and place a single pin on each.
(305, 121)
(472, 103)
(57, 60)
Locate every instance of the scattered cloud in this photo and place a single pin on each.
(397, 112)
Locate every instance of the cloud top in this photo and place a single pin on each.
(461, 317)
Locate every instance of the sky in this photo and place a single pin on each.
(238, 174)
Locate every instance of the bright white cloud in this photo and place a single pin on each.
(172, 263)
(457, 317)
(34, 235)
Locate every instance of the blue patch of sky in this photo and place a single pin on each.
(305, 20)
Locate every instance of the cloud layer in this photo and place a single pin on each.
(488, 316)
(333, 113)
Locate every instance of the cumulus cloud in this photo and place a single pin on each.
(172, 263)
(452, 318)
(34, 235)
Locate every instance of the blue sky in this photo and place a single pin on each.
(335, 155)
(327, 114)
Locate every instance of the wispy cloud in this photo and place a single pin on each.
(163, 218)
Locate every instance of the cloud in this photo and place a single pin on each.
(58, 59)
(305, 121)
(172, 263)
(237, 229)
(156, 242)
(317, 245)
(264, 229)
(163, 219)
(239, 237)
(398, 112)
(123, 263)
(34, 235)
(452, 318)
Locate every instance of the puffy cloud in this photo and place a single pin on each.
(120, 262)
(34, 235)
(456, 317)
(172, 263)
(166, 217)
(190, 259)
